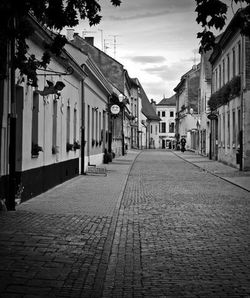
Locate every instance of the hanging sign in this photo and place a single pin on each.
(115, 109)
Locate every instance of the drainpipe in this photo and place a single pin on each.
(12, 124)
(241, 138)
(83, 131)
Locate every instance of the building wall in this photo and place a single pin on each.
(233, 116)
(111, 68)
(96, 123)
(167, 115)
(205, 93)
(50, 122)
(142, 127)
(154, 135)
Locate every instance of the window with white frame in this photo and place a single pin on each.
(163, 127)
(171, 127)
(54, 123)
(228, 68)
(239, 58)
(68, 125)
(234, 63)
(35, 113)
(75, 125)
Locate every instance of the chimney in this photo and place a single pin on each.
(70, 34)
(90, 40)
(153, 103)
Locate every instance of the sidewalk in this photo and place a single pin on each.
(73, 196)
(230, 174)
(58, 244)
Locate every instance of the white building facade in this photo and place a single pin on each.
(166, 110)
(230, 99)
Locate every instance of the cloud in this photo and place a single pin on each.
(138, 16)
(167, 72)
(148, 59)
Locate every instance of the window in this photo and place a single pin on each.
(100, 126)
(219, 129)
(228, 67)
(75, 127)
(156, 129)
(228, 129)
(234, 63)
(223, 130)
(234, 128)
(216, 79)
(163, 127)
(239, 58)
(68, 125)
(171, 127)
(93, 125)
(54, 124)
(163, 114)
(151, 128)
(35, 110)
(159, 113)
(223, 72)
(171, 114)
(219, 76)
(96, 125)
(239, 126)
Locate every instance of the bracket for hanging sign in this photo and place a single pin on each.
(48, 72)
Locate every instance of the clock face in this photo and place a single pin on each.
(115, 109)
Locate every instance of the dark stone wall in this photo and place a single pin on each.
(38, 180)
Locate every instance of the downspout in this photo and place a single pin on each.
(149, 135)
(12, 122)
(243, 73)
(83, 131)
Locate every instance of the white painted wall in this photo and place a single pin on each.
(70, 96)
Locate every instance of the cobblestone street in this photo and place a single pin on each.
(177, 231)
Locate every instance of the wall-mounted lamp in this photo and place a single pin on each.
(121, 97)
(51, 88)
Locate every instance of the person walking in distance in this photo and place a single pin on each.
(183, 144)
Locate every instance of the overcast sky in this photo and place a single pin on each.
(156, 40)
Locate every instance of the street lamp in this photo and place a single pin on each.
(121, 100)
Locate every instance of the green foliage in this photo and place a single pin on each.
(225, 94)
(212, 14)
(53, 14)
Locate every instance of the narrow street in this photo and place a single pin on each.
(177, 231)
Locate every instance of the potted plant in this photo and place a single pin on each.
(55, 149)
(69, 147)
(76, 145)
(35, 149)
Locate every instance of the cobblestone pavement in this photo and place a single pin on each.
(181, 232)
(233, 175)
(58, 243)
(178, 231)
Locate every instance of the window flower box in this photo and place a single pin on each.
(69, 147)
(55, 149)
(35, 149)
(76, 145)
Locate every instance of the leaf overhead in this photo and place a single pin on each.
(212, 15)
(53, 14)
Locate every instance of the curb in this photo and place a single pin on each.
(103, 266)
(216, 175)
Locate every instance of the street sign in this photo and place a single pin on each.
(115, 109)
